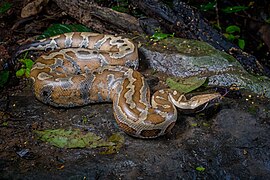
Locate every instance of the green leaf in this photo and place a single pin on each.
(27, 62)
(76, 139)
(230, 37)
(26, 67)
(118, 140)
(194, 124)
(3, 77)
(84, 119)
(232, 29)
(57, 29)
(5, 123)
(208, 6)
(234, 9)
(241, 43)
(27, 72)
(20, 72)
(68, 138)
(185, 85)
(5, 7)
(200, 169)
(206, 124)
(157, 36)
(120, 9)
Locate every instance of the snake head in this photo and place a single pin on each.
(196, 103)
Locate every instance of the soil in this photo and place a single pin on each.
(230, 141)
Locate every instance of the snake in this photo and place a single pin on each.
(80, 68)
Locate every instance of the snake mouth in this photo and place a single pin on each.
(196, 103)
(209, 107)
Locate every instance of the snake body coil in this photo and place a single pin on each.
(89, 68)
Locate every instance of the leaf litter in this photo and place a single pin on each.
(75, 138)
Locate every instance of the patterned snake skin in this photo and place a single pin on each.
(85, 68)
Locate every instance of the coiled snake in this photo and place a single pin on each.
(90, 67)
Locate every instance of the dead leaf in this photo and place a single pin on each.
(33, 8)
(185, 85)
(77, 139)
(265, 34)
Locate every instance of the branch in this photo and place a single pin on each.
(188, 23)
(101, 19)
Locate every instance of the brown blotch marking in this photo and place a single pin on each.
(59, 70)
(71, 53)
(137, 94)
(62, 96)
(131, 113)
(169, 128)
(42, 60)
(96, 90)
(113, 61)
(35, 72)
(125, 127)
(150, 133)
(114, 49)
(132, 56)
(68, 66)
(106, 46)
(76, 39)
(169, 109)
(154, 118)
(92, 65)
(59, 56)
(163, 102)
(60, 40)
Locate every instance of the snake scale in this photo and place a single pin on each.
(84, 67)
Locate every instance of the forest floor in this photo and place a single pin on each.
(232, 142)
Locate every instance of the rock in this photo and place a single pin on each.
(232, 143)
(185, 58)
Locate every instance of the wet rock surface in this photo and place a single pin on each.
(231, 142)
(186, 58)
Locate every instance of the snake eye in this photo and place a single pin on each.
(48, 49)
(45, 93)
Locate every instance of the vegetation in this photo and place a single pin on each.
(56, 29)
(25, 67)
(4, 7)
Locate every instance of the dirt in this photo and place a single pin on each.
(232, 142)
